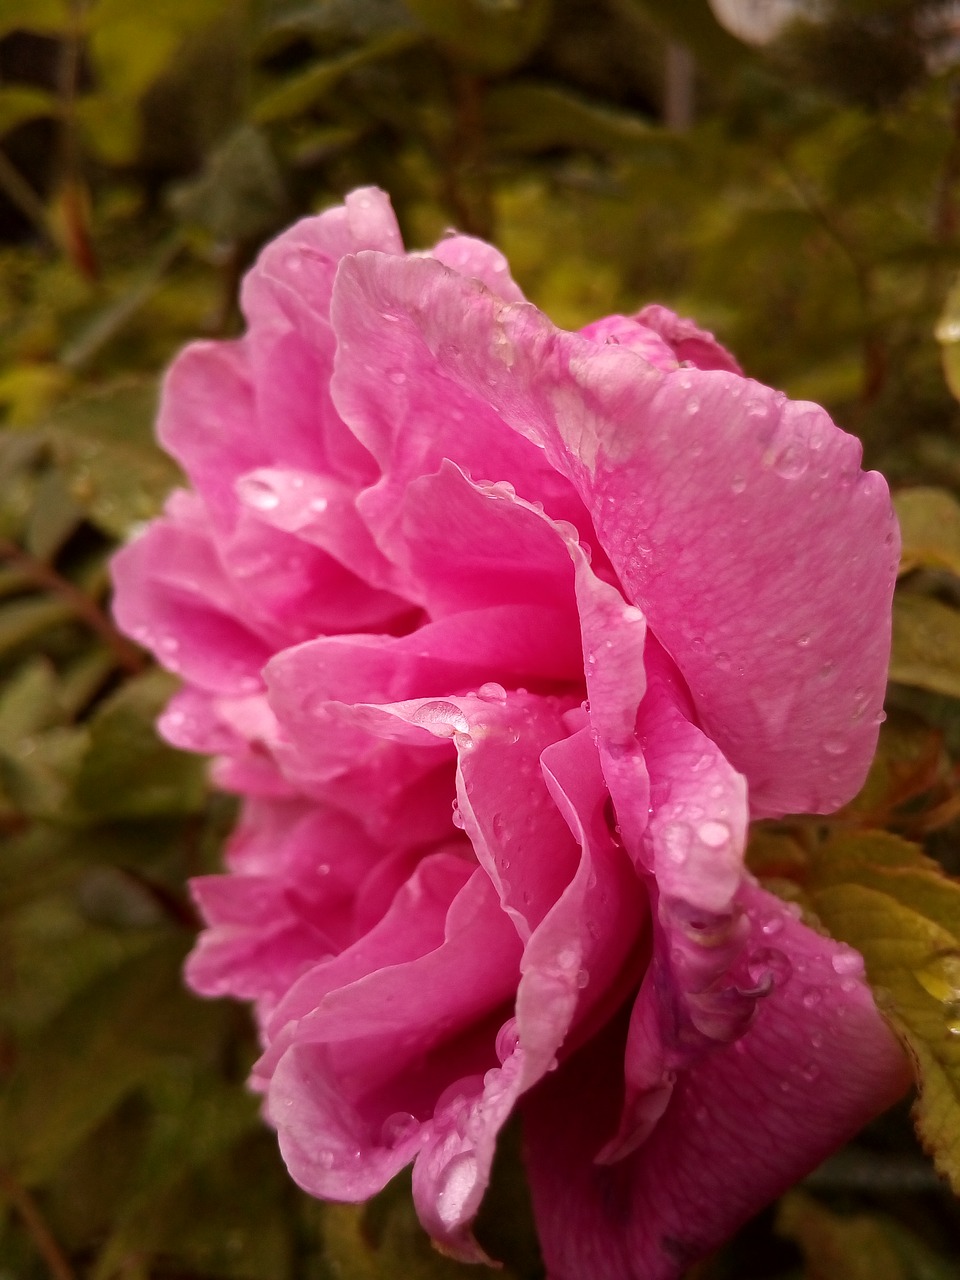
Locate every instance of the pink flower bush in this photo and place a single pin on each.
(503, 634)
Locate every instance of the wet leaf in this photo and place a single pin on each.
(104, 441)
(881, 895)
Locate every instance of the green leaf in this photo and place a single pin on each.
(861, 1246)
(298, 93)
(197, 1122)
(82, 1064)
(38, 773)
(127, 771)
(104, 441)
(930, 527)
(53, 517)
(240, 195)
(909, 760)
(29, 703)
(493, 37)
(528, 117)
(926, 644)
(25, 620)
(18, 103)
(880, 894)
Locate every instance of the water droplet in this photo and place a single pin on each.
(835, 746)
(583, 978)
(508, 1038)
(738, 484)
(772, 926)
(397, 1128)
(257, 493)
(789, 461)
(676, 842)
(769, 965)
(713, 834)
(325, 1159)
(811, 998)
(722, 661)
(810, 1072)
(847, 961)
(455, 1183)
(803, 641)
(445, 719)
(940, 976)
(492, 692)
(397, 377)
(457, 817)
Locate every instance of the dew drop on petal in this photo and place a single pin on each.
(847, 961)
(713, 834)
(508, 1038)
(456, 1181)
(769, 964)
(257, 493)
(397, 1128)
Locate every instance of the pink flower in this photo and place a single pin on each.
(503, 634)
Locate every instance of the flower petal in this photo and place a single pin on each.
(741, 1126)
(737, 521)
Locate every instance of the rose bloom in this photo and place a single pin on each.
(503, 634)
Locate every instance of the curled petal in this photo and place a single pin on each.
(739, 1127)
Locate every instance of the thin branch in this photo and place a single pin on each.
(20, 193)
(874, 355)
(126, 655)
(36, 1226)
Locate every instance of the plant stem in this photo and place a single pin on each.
(36, 1227)
(126, 655)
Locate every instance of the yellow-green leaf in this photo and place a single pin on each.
(930, 525)
(19, 103)
(926, 644)
(45, 17)
(860, 1246)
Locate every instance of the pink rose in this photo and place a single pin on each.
(503, 634)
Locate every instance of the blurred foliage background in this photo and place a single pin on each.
(799, 196)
